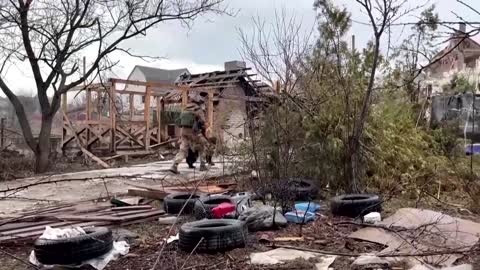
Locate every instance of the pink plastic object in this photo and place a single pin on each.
(222, 209)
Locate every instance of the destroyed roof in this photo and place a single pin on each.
(160, 75)
(220, 80)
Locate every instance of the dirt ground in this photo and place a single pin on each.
(322, 234)
(14, 165)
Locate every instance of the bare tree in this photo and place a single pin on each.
(53, 35)
(381, 14)
(278, 49)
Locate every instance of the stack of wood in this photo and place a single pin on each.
(159, 192)
(27, 226)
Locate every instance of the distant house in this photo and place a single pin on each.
(461, 57)
(235, 95)
(151, 74)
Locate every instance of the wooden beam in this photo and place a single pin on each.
(131, 104)
(113, 113)
(210, 111)
(147, 116)
(89, 113)
(159, 120)
(151, 84)
(157, 195)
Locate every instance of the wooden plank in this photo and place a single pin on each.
(144, 215)
(130, 136)
(98, 137)
(152, 84)
(163, 143)
(113, 118)
(131, 101)
(34, 228)
(85, 151)
(157, 195)
(38, 232)
(133, 207)
(159, 120)
(147, 116)
(210, 110)
(81, 218)
(89, 114)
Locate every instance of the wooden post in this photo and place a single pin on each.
(89, 112)
(2, 133)
(113, 122)
(277, 86)
(64, 129)
(147, 116)
(132, 107)
(184, 98)
(64, 103)
(210, 111)
(159, 120)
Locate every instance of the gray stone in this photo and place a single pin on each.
(120, 234)
(370, 262)
(167, 220)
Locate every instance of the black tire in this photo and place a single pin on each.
(355, 205)
(303, 189)
(204, 205)
(218, 235)
(96, 242)
(174, 202)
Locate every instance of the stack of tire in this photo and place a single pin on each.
(206, 235)
(74, 250)
(174, 202)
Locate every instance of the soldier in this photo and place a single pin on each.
(192, 134)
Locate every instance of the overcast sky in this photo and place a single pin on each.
(213, 40)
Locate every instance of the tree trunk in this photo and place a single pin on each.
(42, 152)
(352, 154)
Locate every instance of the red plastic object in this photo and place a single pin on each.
(222, 209)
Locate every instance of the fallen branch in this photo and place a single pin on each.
(342, 254)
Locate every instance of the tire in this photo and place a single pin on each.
(174, 202)
(96, 242)
(204, 205)
(303, 189)
(218, 235)
(355, 205)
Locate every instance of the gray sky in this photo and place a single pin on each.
(213, 40)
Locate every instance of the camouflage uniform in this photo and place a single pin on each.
(192, 137)
(210, 149)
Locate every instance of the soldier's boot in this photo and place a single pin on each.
(174, 168)
(203, 167)
(210, 161)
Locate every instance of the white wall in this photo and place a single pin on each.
(231, 115)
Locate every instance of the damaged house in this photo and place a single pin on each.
(149, 102)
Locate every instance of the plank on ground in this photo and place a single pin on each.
(158, 195)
